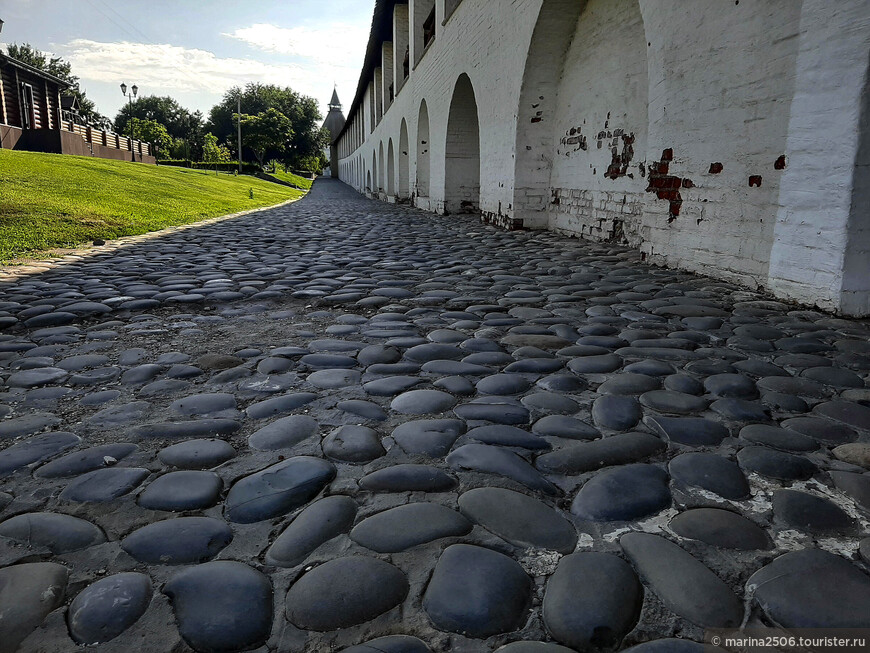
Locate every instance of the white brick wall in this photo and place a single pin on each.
(462, 166)
(560, 83)
(467, 43)
(721, 78)
(821, 252)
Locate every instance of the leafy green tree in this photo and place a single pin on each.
(267, 135)
(155, 134)
(56, 66)
(178, 121)
(180, 149)
(302, 112)
(212, 151)
(313, 163)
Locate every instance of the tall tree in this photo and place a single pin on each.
(302, 111)
(268, 134)
(56, 66)
(180, 123)
(155, 134)
(211, 151)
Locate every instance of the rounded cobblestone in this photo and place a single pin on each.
(336, 380)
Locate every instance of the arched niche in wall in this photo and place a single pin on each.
(554, 31)
(381, 171)
(598, 178)
(404, 162)
(462, 151)
(423, 150)
(391, 170)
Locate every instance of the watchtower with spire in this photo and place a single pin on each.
(334, 123)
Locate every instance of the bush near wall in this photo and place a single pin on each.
(226, 166)
(220, 166)
(179, 163)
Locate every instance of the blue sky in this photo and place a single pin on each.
(194, 50)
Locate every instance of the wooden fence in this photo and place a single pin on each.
(107, 139)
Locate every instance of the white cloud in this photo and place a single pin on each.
(163, 69)
(176, 68)
(338, 44)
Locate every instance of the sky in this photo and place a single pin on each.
(194, 50)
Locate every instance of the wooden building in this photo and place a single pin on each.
(33, 117)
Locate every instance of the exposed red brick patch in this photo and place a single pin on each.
(779, 164)
(755, 180)
(716, 168)
(667, 186)
(619, 165)
(574, 139)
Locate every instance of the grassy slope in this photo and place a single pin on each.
(53, 200)
(289, 177)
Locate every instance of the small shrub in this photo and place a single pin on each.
(226, 166)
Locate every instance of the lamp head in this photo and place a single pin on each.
(135, 90)
(123, 88)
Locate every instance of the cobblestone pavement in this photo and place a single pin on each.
(342, 420)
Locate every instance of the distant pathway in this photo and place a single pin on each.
(341, 420)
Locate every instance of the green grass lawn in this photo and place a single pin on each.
(289, 177)
(51, 201)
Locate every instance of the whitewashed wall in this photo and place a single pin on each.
(729, 138)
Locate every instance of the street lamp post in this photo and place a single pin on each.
(239, 126)
(130, 97)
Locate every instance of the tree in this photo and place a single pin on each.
(155, 134)
(178, 121)
(302, 111)
(61, 69)
(211, 151)
(268, 134)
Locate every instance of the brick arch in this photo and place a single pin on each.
(422, 151)
(404, 162)
(381, 168)
(391, 170)
(462, 151)
(552, 36)
(598, 177)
